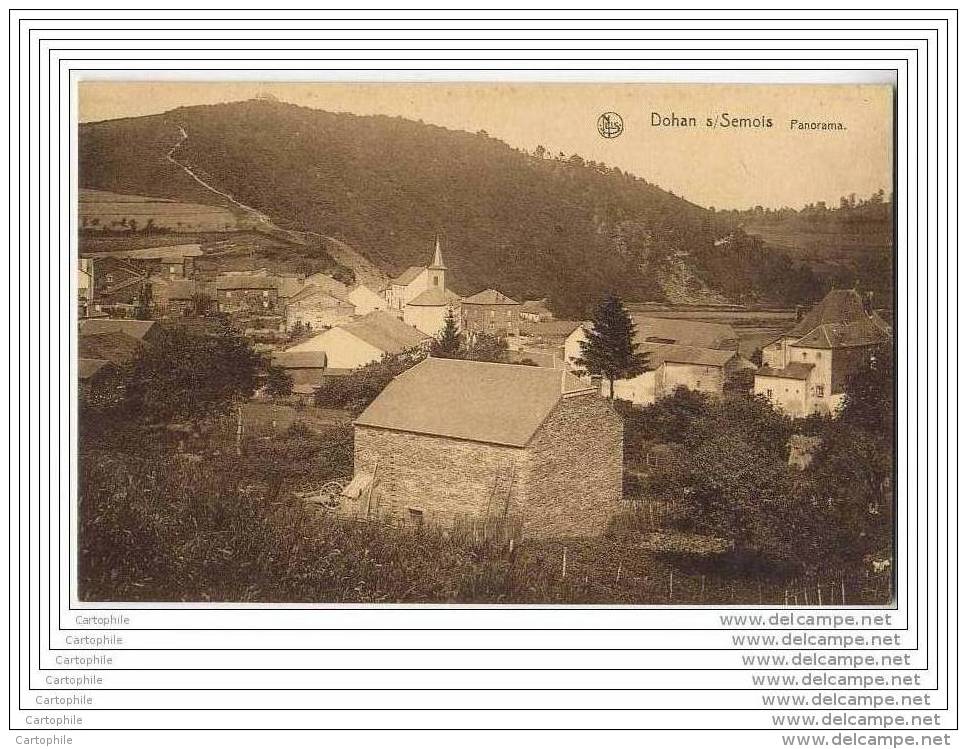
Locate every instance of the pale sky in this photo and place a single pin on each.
(721, 167)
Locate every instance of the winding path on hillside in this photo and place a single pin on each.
(366, 272)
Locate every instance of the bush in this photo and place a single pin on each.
(359, 388)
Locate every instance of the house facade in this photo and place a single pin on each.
(532, 443)
(251, 292)
(805, 370)
(490, 312)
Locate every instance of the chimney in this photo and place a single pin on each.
(563, 381)
(799, 312)
(868, 303)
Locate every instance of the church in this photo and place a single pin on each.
(420, 295)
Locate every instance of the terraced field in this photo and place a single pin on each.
(109, 212)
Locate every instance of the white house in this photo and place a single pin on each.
(805, 370)
(362, 341)
(682, 353)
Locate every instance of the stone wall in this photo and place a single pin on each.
(442, 477)
(567, 482)
(572, 479)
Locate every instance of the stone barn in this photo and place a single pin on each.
(451, 439)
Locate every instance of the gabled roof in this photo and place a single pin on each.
(838, 306)
(793, 371)
(683, 333)
(289, 286)
(842, 335)
(553, 328)
(503, 404)
(231, 282)
(408, 276)
(135, 328)
(534, 305)
(179, 288)
(87, 368)
(319, 295)
(114, 347)
(299, 359)
(329, 284)
(489, 296)
(435, 297)
(385, 332)
(692, 355)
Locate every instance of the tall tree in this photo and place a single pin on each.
(609, 347)
(449, 345)
(189, 375)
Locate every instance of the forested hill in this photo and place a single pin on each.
(530, 226)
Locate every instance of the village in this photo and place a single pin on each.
(497, 416)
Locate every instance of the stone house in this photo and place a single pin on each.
(490, 312)
(176, 297)
(805, 370)
(451, 439)
(318, 308)
(254, 292)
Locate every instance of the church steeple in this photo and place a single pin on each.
(437, 263)
(436, 270)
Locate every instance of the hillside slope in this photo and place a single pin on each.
(532, 227)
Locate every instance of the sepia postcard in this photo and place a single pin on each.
(529, 344)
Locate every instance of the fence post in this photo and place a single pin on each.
(842, 590)
(819, 593)
(564, 564)
(617, 577)
(671, 584)
(702, 600)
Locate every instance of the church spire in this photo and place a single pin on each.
(437, 263)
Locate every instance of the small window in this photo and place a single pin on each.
(804, 354)
(228, 294)
(820, 391)
(414, 517)
(819, 355)
(768, 392)
(436, 280)
(265, 293)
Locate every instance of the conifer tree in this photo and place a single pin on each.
(609, 347)
(449, 345)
